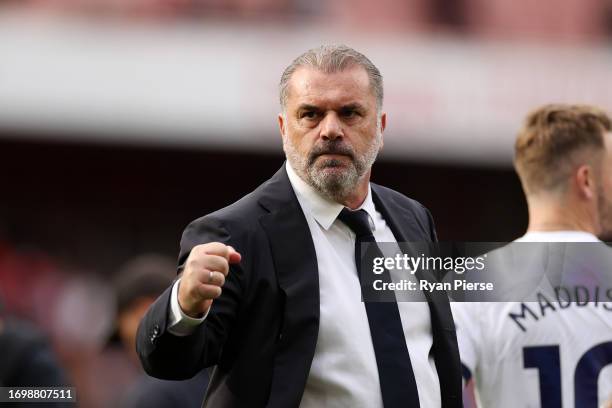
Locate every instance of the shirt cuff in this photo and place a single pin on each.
(179, 323)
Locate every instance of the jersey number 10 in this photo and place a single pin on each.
(548, 362)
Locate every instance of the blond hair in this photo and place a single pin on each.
(554, 140)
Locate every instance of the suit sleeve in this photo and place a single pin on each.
(166, 356)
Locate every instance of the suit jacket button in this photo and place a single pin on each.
(156, 330)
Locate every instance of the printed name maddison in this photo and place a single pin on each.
(457, 284)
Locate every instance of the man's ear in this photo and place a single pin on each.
(584, 178)
(281, 124)
(383, 125)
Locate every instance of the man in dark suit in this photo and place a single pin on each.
(269, 290)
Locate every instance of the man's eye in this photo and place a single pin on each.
(349, 113)
(309, 114)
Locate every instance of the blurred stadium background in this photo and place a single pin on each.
(122, 120)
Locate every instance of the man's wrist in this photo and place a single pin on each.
(179, 322)
(182, 309)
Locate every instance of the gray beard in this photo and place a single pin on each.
(334, 185)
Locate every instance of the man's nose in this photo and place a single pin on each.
(331, 127)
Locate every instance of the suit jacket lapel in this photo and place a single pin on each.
(405, 229)
(295, 263)
(446, 354)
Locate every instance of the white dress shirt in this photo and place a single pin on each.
(344, 371)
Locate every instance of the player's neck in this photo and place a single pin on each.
(552, 215)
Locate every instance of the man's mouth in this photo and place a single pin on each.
(333, 160)
(334, 155)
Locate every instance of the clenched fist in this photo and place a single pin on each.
(204, 275)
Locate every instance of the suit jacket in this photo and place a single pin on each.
(262, 331)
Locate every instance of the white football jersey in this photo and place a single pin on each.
(547, 353)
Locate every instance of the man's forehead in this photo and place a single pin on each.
(310, 83)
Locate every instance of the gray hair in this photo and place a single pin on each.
(330, 59)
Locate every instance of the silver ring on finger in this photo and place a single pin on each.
(210, 276)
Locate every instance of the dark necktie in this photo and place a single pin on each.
(397, 383)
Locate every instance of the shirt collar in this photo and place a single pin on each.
(323, 210)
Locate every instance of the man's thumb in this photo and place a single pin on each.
(234, 256)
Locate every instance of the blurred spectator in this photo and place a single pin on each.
(139, 282)
(26, 359)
